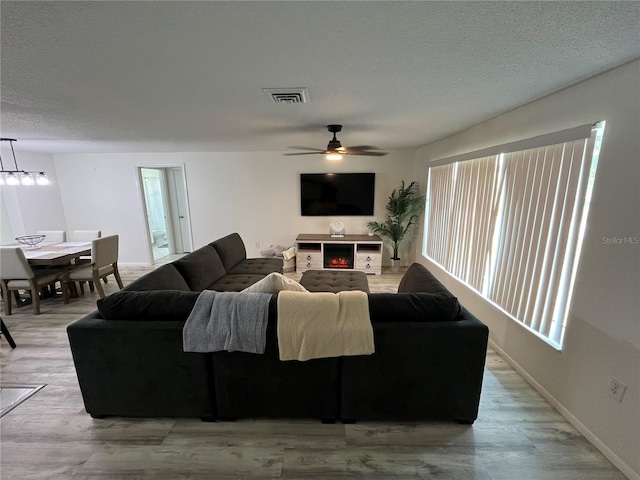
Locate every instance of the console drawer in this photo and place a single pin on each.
(308, 261)
(369, 263)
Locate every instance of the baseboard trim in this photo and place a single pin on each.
(588, 434)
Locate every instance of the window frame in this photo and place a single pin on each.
(482, 264)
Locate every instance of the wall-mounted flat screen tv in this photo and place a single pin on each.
(330, 194)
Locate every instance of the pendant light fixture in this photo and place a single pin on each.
(17, 176)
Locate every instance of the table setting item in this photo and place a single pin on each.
(31, 241)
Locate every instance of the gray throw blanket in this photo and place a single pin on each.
(230, 321)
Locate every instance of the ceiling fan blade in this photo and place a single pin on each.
(296, 147)
(368, 153)
(319, 152)
(362, 147)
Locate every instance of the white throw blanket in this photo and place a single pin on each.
(322, 324)
(228, 321)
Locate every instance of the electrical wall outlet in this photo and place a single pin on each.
(258, 245)
(616, 389)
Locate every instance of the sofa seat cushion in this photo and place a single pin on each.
(201, 268)
(413, 307)
(334, 281)
(418, 279)
(152, 305)
(257, 266)
(231, 250)
(165, 277)
(235, 283)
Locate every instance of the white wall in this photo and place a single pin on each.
(6, 229)
(603, 333)
(256, 194)
(27, 209)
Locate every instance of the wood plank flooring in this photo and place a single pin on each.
(518, 435)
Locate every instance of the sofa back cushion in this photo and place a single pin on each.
(163, 277)
(201, 268)
(231, 250)
(413, 307)
(419, 279)
(156, 305)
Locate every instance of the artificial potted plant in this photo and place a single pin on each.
(402, 210)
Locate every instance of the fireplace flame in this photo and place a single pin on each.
(339, 262)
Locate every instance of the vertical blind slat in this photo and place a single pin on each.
(542, 258)
(583, 164)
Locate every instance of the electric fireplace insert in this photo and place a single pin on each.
(338, 256)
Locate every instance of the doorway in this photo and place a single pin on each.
(166, 210)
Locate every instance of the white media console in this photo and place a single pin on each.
(350, 252)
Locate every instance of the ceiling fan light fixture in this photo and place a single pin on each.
(335, 151)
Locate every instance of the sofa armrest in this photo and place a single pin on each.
(138, 369)
(419, 371)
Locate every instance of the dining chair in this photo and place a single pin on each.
(53, 236)
(85, 235)
(16, 274)
(104, 261)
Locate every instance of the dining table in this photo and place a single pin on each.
(53, 254)
(56, 253)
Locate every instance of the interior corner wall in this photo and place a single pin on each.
(256, 194)
(27, 209)
(603, 333)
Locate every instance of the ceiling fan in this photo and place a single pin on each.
(335, 150)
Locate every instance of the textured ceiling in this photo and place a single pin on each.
(188, 76)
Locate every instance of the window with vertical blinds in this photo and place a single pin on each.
(510, 224)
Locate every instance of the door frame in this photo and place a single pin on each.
(168, 213)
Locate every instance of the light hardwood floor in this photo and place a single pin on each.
(517, 436)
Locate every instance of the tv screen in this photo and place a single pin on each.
(325, 194)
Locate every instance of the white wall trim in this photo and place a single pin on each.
(588, 434)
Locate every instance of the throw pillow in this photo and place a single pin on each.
(274, 283)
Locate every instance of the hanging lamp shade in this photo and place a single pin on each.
(19, 177)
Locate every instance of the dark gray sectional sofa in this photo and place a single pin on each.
(428, 364)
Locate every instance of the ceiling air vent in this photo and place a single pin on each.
(287, 95)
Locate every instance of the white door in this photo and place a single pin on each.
(155, 199)
(180, 211)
